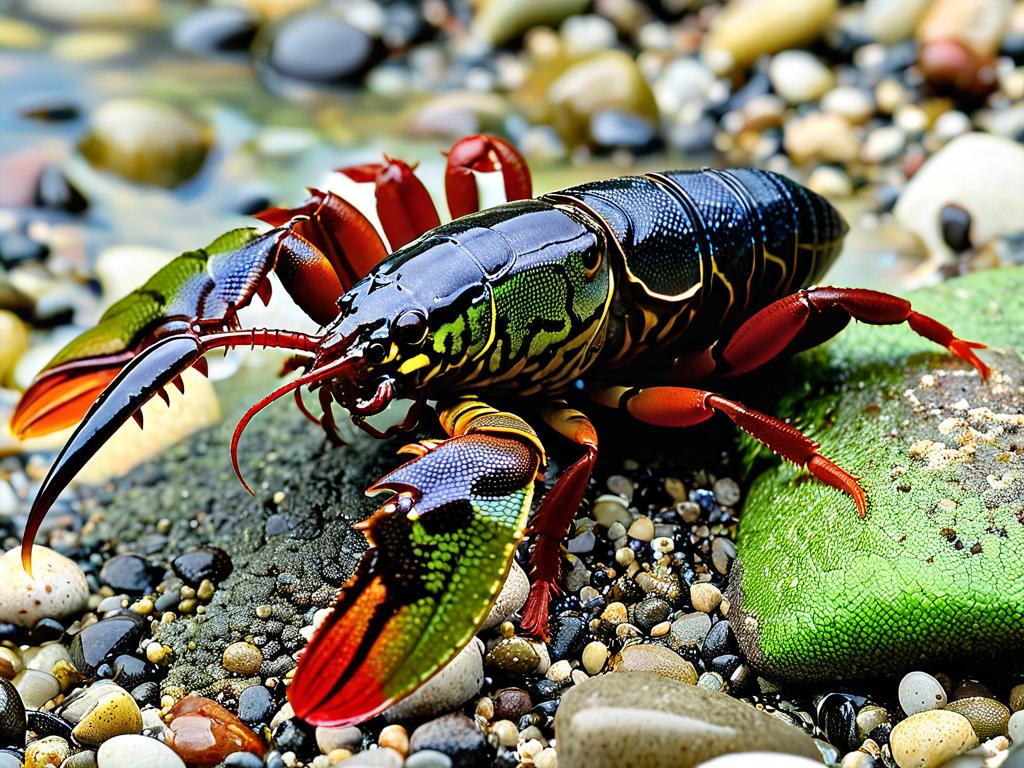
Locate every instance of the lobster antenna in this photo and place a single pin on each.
(313, 377)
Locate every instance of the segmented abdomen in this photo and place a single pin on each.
(701, 250)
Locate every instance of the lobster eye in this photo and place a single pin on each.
(375, 352)
(410, 327)
(591, 260)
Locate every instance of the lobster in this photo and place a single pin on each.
(625, 292)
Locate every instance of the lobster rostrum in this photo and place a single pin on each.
(627, 291)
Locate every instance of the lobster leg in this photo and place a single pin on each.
(812, 315)
(550, 524)
(440, 549)
(684, 407)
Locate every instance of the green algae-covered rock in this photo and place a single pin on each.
(936, 570)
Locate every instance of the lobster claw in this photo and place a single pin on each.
(143, 377)
(440, 550)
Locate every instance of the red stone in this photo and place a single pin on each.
(203, 733)
(949, 66)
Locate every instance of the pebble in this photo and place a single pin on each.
(761, 760)
(511, 598)
(36, 688)
(609, 509)
(822, 137)
(978, 24)
(428, 758)
(343, 737)
(216, 30)
(705, 596)
(46, 752)
(919, 692)
(146, 142)
(457, 682)
(499, 21)
(892, 21)
(12, 714)
(100, 712)
(130, 574)
(746, 29)
(973, 171)
(375, 758)
(829, 181)
(1015, 728)
(689, 631)
(635, 718)
(657, 659)
(203, 732)
(320, 47)
(202, 564)
(853, 104)
(57, 588)
(883, 144)
(104, 640)
(798, 76)
(1017, 697)
(641, 529)
(131, 751)
(242, 659)
(988, 717)
(456, 736)
(595, 654)
(511, 704)
(928, 739)
(256, 706)
(955, 224)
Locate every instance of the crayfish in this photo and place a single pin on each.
(622, 292)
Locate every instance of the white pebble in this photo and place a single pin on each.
(56, 589)
(798, 76)
(132, 751)
(457, 682)
(511, 598)
(919, 692)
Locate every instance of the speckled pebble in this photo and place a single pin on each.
(47, 752)
(657, 659)
(511, 598)
(516, 655)
(1017, 697)
(988, 717)
(242, 659)
(132, 751)
(928, 739)
(56, 589)
(458, 682)
(690, 630)
(115, 713)
(919, 692)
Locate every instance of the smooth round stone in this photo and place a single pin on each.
(822, 137)
(891, 21)
(595, 654)
(655, 658)
(1015, 728)
(761, 760)
(130, 574)
(428, 758)
(204, 563)
(1017, 697)
(830, 181)
(242, 659)
(56, 589)
(853, 104)
(45, 752)
(320, 47)
(609, 509)
(689, 631)
(883, 144)
(511, 704)
(131, 751)
(919, 692)
(457, 682)
(103, 640)
(929, 739)
(746, 29)
(87, 759)
(203, 733)
(12, 714)
(256, 706)
(343, 737)
(511, 598)
(456, 736)
(216, 30)
(375, 758)
(146, 142)
(621, 129)
(988, 717)
(515, 655)
(798, 76)
(955, 223)
(705, 597)
(36, 688)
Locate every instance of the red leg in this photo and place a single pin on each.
(684, 407)
(551, 522)
(812, 315)
(483, 154)
(403, 203)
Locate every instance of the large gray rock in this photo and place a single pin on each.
(648, 721)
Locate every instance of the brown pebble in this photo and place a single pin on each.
(512, 704)
(395, 737)
(203, 733)
(242, 659)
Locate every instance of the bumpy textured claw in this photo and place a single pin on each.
(208, 285)
(440, 549)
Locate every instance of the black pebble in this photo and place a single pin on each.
(47, 629)
(649, 612)
(256, 706)
(55, 192)
(146, 693)
(568, 634)
(49, 110)
(131, 671)
(12, 714)
(11, 633)
(719, 642)
(955, 222)
(880, 734)
(202, 563)
(725, 664)
(131, 574)
(103, 640)
(294, 736)
(458, 737)
(223, 30)
(837, 718)
(48, 724)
